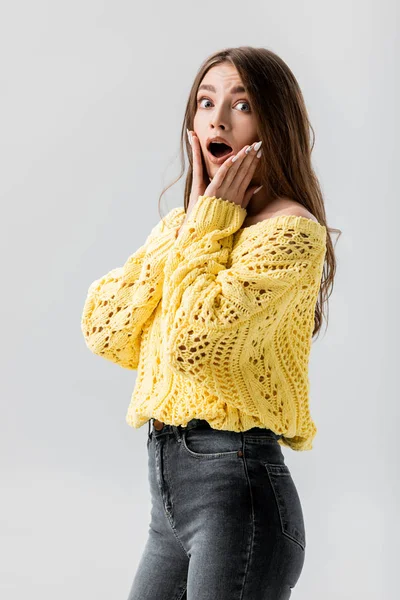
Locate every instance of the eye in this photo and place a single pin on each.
(240, 102)
(247, 105)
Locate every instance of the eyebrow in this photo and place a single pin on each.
(238, 89)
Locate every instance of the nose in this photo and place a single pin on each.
(218, 119)
(215, 126)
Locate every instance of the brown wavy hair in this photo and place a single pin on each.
(284, 128)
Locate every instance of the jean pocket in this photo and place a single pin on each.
(288, 503)
(211, 443)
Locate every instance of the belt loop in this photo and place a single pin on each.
(177, 429)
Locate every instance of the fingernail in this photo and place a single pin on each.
(257, 190)
(189, 136)
(257, 146)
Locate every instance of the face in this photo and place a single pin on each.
(222, 111)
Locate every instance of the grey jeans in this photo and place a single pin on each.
(226, 520)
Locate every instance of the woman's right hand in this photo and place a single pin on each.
(199, 181)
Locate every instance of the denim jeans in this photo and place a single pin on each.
(226, 520)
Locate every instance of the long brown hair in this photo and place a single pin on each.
(284, 128)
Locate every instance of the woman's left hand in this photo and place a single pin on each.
(231, 181)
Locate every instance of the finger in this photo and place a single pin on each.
(226, 172)
(197, 164)
(248, 168)
(240, 166)
(199, 182)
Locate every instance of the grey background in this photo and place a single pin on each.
(92, 100)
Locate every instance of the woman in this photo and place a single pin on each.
(216, 312)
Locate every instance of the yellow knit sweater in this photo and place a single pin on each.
(217, 321)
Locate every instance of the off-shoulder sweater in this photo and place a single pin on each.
(217, 321)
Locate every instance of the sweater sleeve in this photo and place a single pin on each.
(210, 295)
(119, 303)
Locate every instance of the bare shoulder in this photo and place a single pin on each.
(298, 210)
(280, 206)
(284, 206)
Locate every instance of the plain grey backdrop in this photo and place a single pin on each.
(92, 99)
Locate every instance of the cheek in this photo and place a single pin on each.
(204, 163)
(196, 122)
(203, 153)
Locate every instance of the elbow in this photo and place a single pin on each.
(124, 351)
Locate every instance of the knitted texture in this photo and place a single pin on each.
(218, 322)
(122, 302)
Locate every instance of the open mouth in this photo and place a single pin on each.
(219, 149)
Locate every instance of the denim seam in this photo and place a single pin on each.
(167, 515)
(250, 552)
(181, 592)
(283, 530)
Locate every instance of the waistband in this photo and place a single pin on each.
(203, 424)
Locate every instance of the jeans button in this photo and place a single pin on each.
(158, 424)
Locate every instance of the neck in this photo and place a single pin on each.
(258, 203)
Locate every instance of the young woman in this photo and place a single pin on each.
(216, 312)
